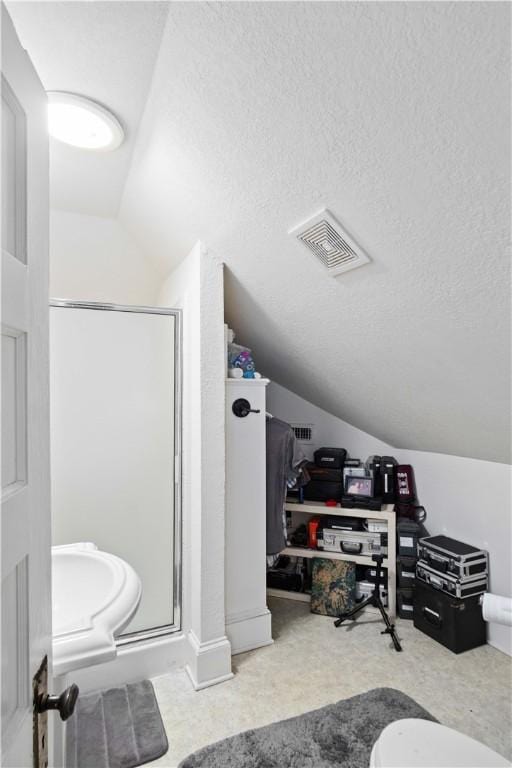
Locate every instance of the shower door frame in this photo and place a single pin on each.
(167, 629)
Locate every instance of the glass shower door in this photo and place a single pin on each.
(114, 379)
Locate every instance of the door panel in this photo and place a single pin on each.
(14, 164)
(25, 514)
(14, 410)
(15, 672)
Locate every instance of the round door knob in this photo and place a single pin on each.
(65, 703)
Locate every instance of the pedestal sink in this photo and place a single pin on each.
(94, 597)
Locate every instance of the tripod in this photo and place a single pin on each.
(374, 600)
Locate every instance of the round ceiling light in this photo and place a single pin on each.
(82, 123)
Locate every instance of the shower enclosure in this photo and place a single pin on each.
(115, 444)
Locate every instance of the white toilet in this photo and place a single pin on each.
(94, 597)
(414, 743)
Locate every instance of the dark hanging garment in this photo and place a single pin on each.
(284, 462)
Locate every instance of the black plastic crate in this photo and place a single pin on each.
(406, 572)
(408, 533)
(457, 624)
(405, 603)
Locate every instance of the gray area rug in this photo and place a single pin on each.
(341, 734)
(116, 728)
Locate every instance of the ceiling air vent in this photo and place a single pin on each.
(303, 432)
(333, 247)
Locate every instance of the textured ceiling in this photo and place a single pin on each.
(393, 115)
(104, 50)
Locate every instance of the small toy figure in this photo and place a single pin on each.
(241, 358)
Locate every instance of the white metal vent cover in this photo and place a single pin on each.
(303, 432)
(324, 236)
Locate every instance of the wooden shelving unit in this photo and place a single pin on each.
(304, 552)
(317, 508)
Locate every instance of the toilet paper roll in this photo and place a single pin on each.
(235, 373)
(497, 609)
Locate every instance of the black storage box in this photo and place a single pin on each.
(323, 491)
(456, 624)
(450, 584)
(406, 571)
(287, 574)
(362, 502)
(331, 458)
(325, 483)
(323, 474)
(290, 582)
(405, 603)
(370, 574)
(446, 555)
(408, 533)
(342, 523)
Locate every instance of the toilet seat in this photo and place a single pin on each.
(94, 597)
(414, 743)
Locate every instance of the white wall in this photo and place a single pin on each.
(95, 259)
(327, 429)
(465, 498)
(196, 287)
(248, 620)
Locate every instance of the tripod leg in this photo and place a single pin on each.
(390, 628)
(353, 612)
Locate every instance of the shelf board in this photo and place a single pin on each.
(288, 595)
(248, 382)
(305, 598)
(317, 507)
(303, 552)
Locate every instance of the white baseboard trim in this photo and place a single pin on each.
(252, 646)
(137, 661)
(207, 683)
(500, 637)
(209, 662)
(247, 632)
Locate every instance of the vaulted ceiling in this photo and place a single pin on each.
(395, 117)
(103, 50)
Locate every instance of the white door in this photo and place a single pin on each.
(25, 480)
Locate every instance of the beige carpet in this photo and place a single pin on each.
(312, 664)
